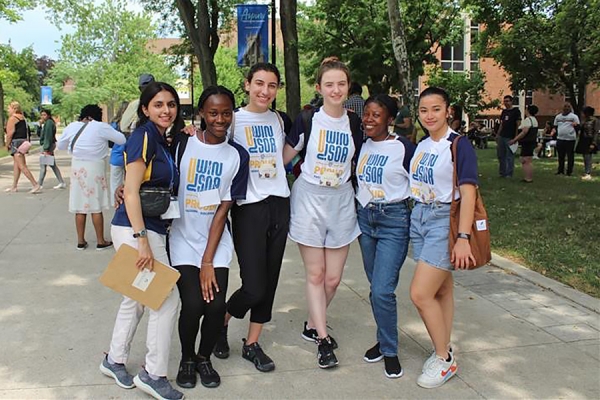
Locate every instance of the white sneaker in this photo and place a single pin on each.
(61, 186)
(586, 177)
(437, 373)
(432, 357)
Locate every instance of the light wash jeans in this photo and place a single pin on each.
(160, 323)
(384, 245)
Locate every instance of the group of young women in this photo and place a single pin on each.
(236, 161)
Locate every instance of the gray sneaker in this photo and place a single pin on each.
(118, 373)
(160, 389)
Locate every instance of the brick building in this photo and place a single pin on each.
(461, 58)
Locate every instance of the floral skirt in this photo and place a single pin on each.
(89, 188)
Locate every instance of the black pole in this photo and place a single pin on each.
(273, 40)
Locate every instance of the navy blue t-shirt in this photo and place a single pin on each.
(148, 144)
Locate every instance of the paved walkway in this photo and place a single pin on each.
(513, 338)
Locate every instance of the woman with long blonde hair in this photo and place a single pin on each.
(16, 134)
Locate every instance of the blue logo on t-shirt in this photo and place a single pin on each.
(423, 168)
(333, 146)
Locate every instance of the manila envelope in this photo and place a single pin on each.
(148, 288)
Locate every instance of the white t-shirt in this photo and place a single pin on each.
(564, 126)
(431, 168)
(263, 137)
(382, 171)
(209, 174)
(329, 150)
(92, 144)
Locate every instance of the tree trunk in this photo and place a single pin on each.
(2, 142)
(289, 31)
(197, 25)
(400, 52)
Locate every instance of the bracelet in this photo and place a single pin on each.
(463, 236)
(206, 263)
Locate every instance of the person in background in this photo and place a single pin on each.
(431, 183)
(384, 220)
(528, 131)
(149, 164)
(355, 102)
(565, 125)
(17, 133)
(510, 119)
(129, 118)
(403, 123)
(588, 140)
(117, 161)
(87, 141)
(48, 143)
(456, 114)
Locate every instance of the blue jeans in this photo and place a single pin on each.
(506, 158)
(384, 245)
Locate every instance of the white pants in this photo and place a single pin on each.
(116, 179)
(160, 323)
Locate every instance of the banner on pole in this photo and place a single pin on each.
(253, 34)
(46, 95)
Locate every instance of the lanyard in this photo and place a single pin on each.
(170, 161)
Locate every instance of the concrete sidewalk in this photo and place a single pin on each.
(513, 338)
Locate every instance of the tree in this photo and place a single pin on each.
(543, 44)
(201, 24)
(358, 31)
(400, 51)
(9, 10)
(289, 31)
(19, 80)
(104, 56)
(467, 89)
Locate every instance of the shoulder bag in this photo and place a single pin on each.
(480, 231)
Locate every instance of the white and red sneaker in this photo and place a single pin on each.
(436, 373)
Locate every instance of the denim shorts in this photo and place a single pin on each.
(429, 230)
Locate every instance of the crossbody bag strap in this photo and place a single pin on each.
(72, 146)
(454, 173)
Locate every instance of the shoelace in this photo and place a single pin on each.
(207, 368)
(188, 368)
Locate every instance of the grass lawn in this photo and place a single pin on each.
(3, 152)
(552, 225)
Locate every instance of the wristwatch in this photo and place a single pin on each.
(142, 233)
(463, 236)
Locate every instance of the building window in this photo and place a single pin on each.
(453, 57)
(474, 39)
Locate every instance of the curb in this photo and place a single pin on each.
(582, 299)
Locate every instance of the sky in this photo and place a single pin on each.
(35, 29)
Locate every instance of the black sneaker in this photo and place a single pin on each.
(208, 376)
(255, 354)
(311, 335)
(221, 349)
(393, 369)
(325, 356)
(186, 377)
(373, 354)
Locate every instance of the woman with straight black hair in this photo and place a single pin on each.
(148, 164)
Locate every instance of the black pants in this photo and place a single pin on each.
(193, 307)
(259, 235)
(565, 148)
